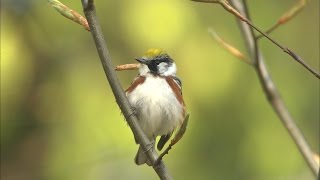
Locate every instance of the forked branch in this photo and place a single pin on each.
(270, 89)
(225, 4)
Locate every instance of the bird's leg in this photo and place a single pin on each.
(134, 111)
(179, 134)
(150, 146)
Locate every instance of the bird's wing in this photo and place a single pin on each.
(137, 81)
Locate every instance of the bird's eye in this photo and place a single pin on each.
(158, 62)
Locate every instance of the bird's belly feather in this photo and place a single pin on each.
(158, 110)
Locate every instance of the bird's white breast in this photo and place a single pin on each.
(157, 108)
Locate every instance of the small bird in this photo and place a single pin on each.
(156, 97)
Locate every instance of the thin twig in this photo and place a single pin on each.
(89, 10)
(69, 13)
(316, 158)
(234, 51)
(287, 16)
(123, 67)
(225, 4)
(270, 89)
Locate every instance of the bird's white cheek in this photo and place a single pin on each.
(162, 68)
(169, 70)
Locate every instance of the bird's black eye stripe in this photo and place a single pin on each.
(162, 59)
(166, 59)
(158, 62)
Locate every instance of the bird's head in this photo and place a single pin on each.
(157, 62)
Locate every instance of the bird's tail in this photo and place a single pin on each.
(141, 157)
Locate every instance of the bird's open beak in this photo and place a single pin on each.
(141, 60)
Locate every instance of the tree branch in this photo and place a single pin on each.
(270, 89)
(89, 10)
(225, 4)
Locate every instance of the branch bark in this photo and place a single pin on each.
(270, 89)
(90, 13)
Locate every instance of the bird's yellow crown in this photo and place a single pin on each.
(153, 53)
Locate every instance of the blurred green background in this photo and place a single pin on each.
(59, 119)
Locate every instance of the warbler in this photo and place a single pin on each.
(156, 97)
